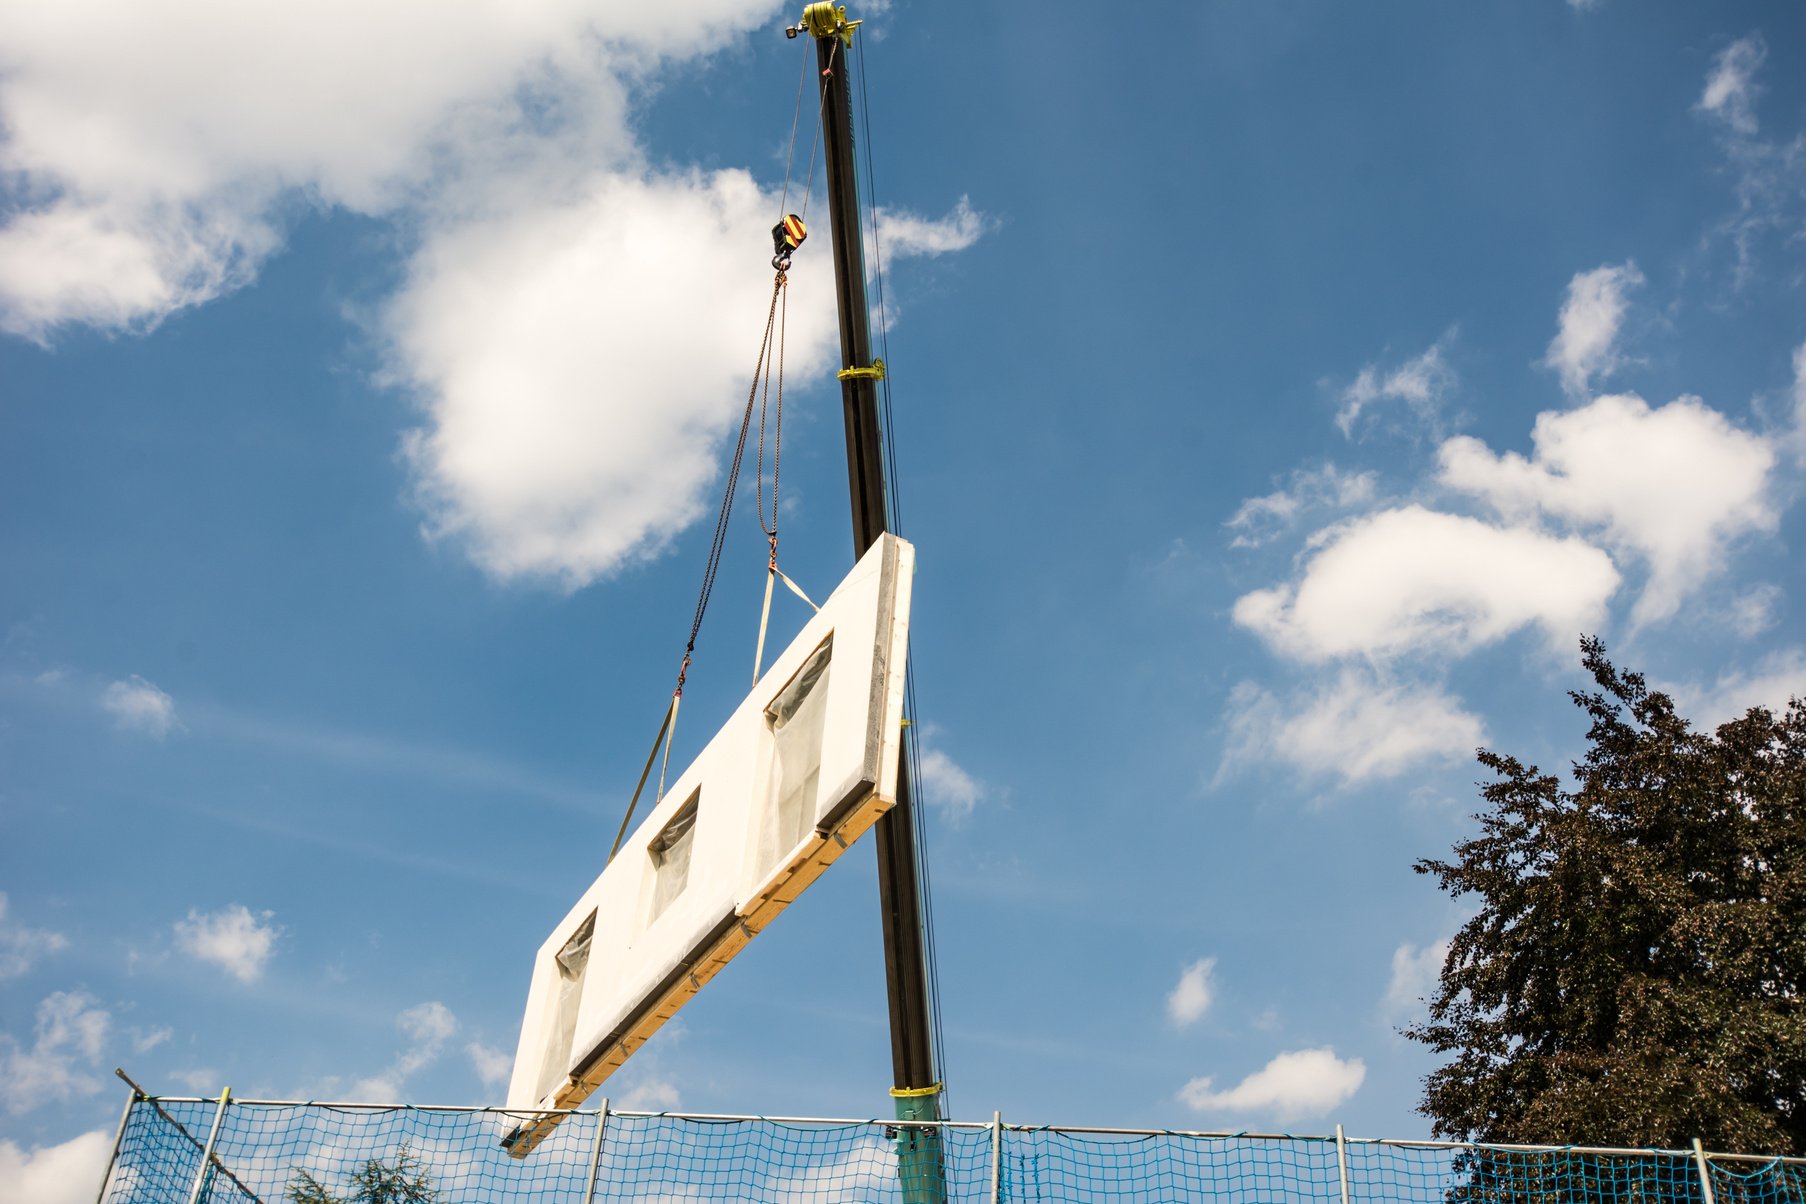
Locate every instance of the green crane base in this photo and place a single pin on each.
(919, 1169)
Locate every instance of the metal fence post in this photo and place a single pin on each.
(595, 1152)
(1705, 1173)
(200, 1178)
(1342, 1163)
(996, 1157)
(118, 1140)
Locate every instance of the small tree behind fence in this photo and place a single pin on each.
(197, 1151)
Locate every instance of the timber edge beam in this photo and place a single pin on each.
(850, 820)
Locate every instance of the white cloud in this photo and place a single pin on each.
(163, 148)
(1415, 975)
(427, 1026)
(1305, 1082)
(137, 705)
(203, 1081)
(1259, 520)
(1753, 611)
(651, 1094)
(1778, 677)
(956, 792)
(1730, 92)
(1356, 727)
(21, 946)
(1798, 434)
(232, 938)
(1422, 383)
(1586, 343)
(1192, 997)
(1770, 173)
(1411, 580)
(66, 1173)
(145, 1040)
(900, 234)
(158, 145)
(493, 1066)
(71, 1030)
(1675, 485)
(556, 446)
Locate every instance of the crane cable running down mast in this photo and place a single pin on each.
(786, 238)
(908, 957)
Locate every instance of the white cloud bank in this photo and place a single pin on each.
(1422, 383)
(493, 1066)
(1772, 683)
(1770, 172)
(1674, 485)
(574, 323)
(949, 787)
(652, 1093)
(900, 234)
(71, 1030)
(158, 145)
(1305, 1082)
(232, 938)
(21, 946)
(1416, 581)
(428, 1027)
(1415, 975)
(1379, 604)
(1586, 342)
(1730, 91)
(572, 425)
(68, 1173)
(138, 706)
(1797, 436)
(1260, 520)
(1192, 997)
(1356, 726)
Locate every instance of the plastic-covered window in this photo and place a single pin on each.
(796, 719)
(571, 962)
(670, 852)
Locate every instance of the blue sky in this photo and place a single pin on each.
(1280, 393)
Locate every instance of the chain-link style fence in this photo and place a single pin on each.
(197, 1151)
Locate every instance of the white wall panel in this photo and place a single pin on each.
(642, 967)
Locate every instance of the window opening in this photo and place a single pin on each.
(571, 962)
(796, 719)
(670, 852)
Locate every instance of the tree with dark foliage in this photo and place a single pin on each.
(376, 1182)
(1634, 976)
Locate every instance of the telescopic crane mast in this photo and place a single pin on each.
(917, 1086)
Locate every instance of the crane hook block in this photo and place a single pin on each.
(786, 237)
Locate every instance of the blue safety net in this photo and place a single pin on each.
(246, 1152)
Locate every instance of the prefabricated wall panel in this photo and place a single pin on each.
(651, 947)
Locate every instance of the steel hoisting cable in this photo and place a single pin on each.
(667, 729)
(772, 571)
(777, 458)
(924, 886)
(733, 479)
(871, 187)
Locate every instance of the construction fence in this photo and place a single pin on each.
(200, 1151)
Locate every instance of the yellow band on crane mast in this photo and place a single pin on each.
(826, 20)
(915, 1092)
(875, 372)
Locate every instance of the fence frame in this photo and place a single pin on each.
(996, 1130)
